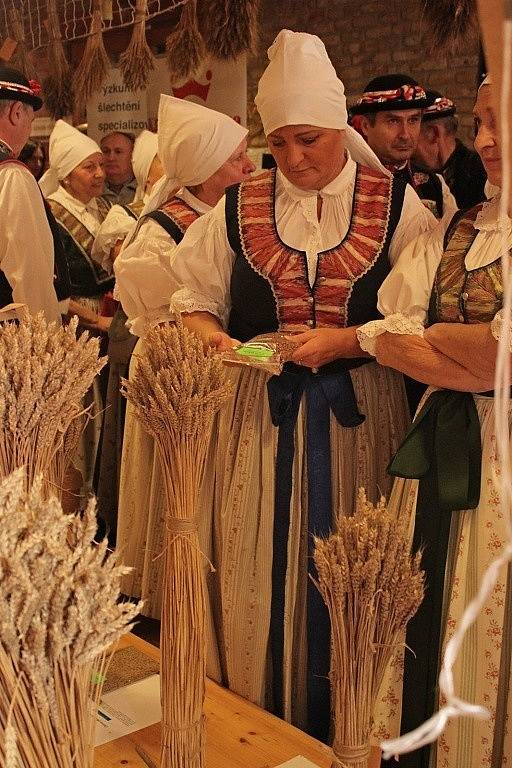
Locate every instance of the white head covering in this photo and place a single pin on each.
(193, 143)
(300, 87)
(144, 151)
(68, 148)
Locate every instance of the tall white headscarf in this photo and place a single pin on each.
(300, 87)
(193, 143)
(144, 151)
(68, 148)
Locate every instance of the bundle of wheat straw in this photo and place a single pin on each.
(176, 391)
(95, 62)
(58, 97)
(137, 61)
(185, 45)
(230, 27)
(60, 614)
(372, 586)
(45, 371)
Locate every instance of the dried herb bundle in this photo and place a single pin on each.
(451, 21)
(60, 614)
(176, 392)
(21, 59)
(45, 371)
(185, 45)
(372, 587)
(137, 61)
(95, 62)
(230, 27)
(57, 92)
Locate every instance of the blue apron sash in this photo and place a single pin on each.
(324, 393)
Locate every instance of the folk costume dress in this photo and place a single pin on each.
(144, 285)
(193, 143)
(456, 279)
(260, 261)
(119, 223)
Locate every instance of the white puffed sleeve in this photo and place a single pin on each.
(116, 226)
(450, 206)
(415, 219)
(404, 296)
(202, 265)
(144, 278)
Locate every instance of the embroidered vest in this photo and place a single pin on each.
(87, 277)
(175, 216)
(133, 210)
(269, 284)
(460, 295)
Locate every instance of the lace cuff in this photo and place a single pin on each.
(497, 328)
(141, 324)
(396, 323)
(186, 300)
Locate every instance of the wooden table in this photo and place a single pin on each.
(239, 734)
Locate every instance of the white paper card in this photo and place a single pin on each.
(128, 709)
(298, 762)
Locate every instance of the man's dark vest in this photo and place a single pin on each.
(428, 187)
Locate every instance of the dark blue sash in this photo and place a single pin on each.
(324, 393)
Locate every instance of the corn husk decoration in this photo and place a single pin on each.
(137, 61)
(185, 45)
(45, 371)
(59, 592)
(58, 95)
(21, 59)
(372, 586)
(176, 391)
(230, 27)
(452, 22)
(95, 62)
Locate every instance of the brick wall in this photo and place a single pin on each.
(366, 39)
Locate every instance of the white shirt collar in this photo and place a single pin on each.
(74, 205)
(194, 202)
(336, 187)
(488, 218)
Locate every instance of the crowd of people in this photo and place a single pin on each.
(372, 242)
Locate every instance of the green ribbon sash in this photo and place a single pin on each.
(444, 442)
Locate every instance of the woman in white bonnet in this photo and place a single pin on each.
(202, 151)
(450, 281)
(302, 249)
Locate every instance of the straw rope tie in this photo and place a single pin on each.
(169, 730)
(179, 527)
(347, 753)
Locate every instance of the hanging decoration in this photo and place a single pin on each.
(21, 59)
(137, 61)
(95, 62)
(58, 96)
(176, 392)
(452, 22)
(230, 27)
(185, 45)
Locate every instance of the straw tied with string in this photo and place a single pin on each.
(176, 391)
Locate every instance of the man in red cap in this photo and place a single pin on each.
(440, 150)
(27, 249)
(388, 115)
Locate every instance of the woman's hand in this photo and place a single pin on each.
(323, 345)
(222, 341)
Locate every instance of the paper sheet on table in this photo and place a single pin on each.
(128, 709)
(298, 762)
